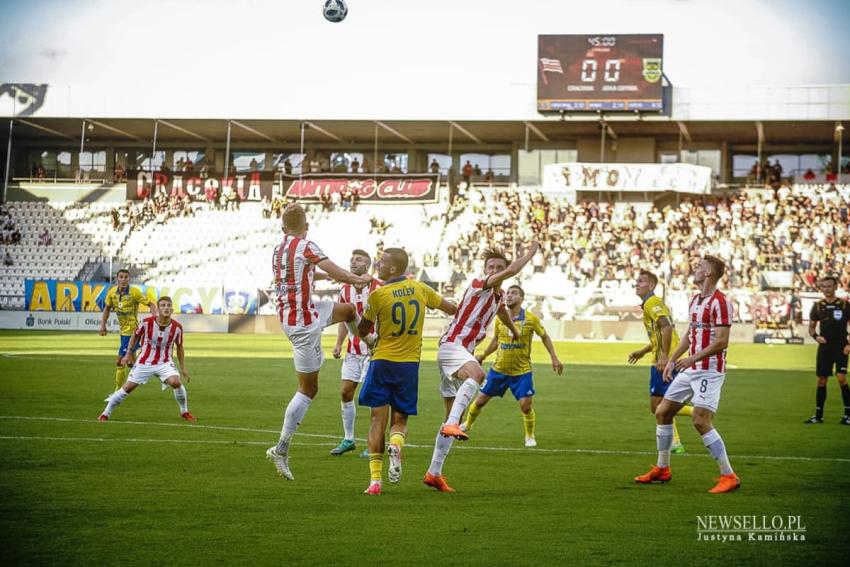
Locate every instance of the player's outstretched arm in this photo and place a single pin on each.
(513, 268)
(505, 317)
(557, 365)
(684, 344)
(447, 307)
(181, 360)
(342, 275)
(720, 342)
(491, 348)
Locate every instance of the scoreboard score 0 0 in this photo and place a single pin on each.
(599, 72)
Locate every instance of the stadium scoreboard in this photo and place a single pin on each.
(599, 73)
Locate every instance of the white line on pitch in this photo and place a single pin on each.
(457, 446)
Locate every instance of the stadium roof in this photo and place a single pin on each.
(432, 133)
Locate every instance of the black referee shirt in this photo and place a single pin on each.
(833, 318)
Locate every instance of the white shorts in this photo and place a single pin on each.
(450, 357)
(307, 341)
(700, 386)
(141, 373)
(355, 367)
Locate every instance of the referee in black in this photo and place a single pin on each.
(832, 314)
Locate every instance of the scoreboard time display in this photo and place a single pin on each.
(599, 72)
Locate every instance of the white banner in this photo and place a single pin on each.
(678, 177)
(70, 321)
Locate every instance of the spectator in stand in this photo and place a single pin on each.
(44, 238)
(189, 166)
(355, 166)
(254, 164)
(809, 175)
(476, 171)
(180, 164)
(119, 174)
(434, 167)
(488, 177)
(466, 172)
(7, 259)
(287, 167)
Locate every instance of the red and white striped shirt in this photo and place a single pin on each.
(294, 264)
(350, 294)
(706, 314)
(474, 314)
(156, 341)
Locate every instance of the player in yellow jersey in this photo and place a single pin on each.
(124, 300)
(392, 382)
(662, 336)
(513, 363)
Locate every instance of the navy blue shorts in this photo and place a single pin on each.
(125, 342)
(497, 384)
(394, 384)
(657, 385)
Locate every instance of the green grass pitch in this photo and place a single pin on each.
(146, 489)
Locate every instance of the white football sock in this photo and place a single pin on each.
(715, 445)
(113, 400)
(441, 451)
(182, 398)
(295, 412)
(464, 395)
(349, 411)
(664, 441)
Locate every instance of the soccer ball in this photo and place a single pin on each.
(335, 10)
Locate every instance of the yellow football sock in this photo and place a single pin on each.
(528, 423)
(397, 438)
(686, 410)
(376, 465)
(119, 376)
(471, 415)
(676, 440)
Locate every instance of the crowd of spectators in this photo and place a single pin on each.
(804, 229)
(158, 209)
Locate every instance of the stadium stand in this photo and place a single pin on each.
(591, 250)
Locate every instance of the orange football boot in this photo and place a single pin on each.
(455, 431)
(438, 482)
(726, 483)
(655, 474)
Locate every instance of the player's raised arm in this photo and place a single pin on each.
(505, 317)
(491, 348)
(513, 268)
(342, 275)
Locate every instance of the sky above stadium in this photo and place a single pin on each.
(405, 49)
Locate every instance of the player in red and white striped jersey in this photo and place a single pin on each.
(700, 378)
(460, 372)
(157, 335)
(356, 362)
(294, 263)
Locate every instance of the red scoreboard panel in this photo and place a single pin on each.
(599, 72)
